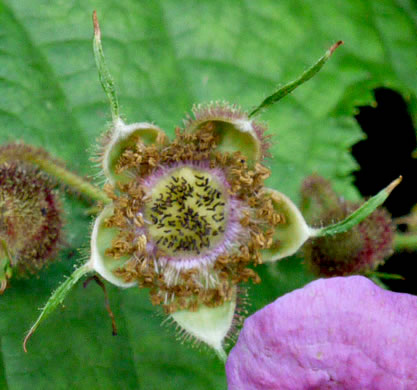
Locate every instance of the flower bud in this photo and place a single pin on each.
(30, 221)
(359, 250)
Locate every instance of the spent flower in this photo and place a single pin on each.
(190, 218)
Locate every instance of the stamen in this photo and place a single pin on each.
(201, 211)
(106, 301)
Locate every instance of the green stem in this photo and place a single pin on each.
(358, 215)
(288, 88)
(72, 180)
(57, 298)
(54, 168)
(221, 354)
(384, 275)
(5, 266)
(405, 242)
(379, 282)
(92, 210)
(7, 256)
(105, 77)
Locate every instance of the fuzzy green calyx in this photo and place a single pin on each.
(201, 294)
(187, 212)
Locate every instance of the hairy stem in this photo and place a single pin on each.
(5, 265)
(53, 167)
(384, 275)
(221, 354)
(72, 180)
(405, 242)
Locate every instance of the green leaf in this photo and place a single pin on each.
(3, 383)
(164, 57)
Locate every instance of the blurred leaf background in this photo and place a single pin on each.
(165, 56)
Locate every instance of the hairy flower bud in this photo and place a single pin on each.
(30, 220)
(359, 250)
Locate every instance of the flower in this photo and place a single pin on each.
(190, 217)
(30, 220)
(338, 333)
(359, 250)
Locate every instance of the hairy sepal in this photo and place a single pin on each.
(290, 235)
(210, 325)
(120, 138)
(235, 130)
(101, 239)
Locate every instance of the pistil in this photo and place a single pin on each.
(187, 213)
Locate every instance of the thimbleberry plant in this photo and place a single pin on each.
(190, 218)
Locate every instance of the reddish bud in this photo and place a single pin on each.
(359, 250)
(30, 220)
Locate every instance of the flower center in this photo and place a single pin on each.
(187, 211)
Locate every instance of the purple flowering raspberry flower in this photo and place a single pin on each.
(338, 333)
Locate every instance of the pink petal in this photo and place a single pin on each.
(339, 333)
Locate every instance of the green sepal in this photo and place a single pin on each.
(101, 239)
(288, 88)
(358, 215)
(384, 275)
(121, 137)
(289, 235)
(105, 77)
(239, 137)
(209, 325)
(234, 130)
